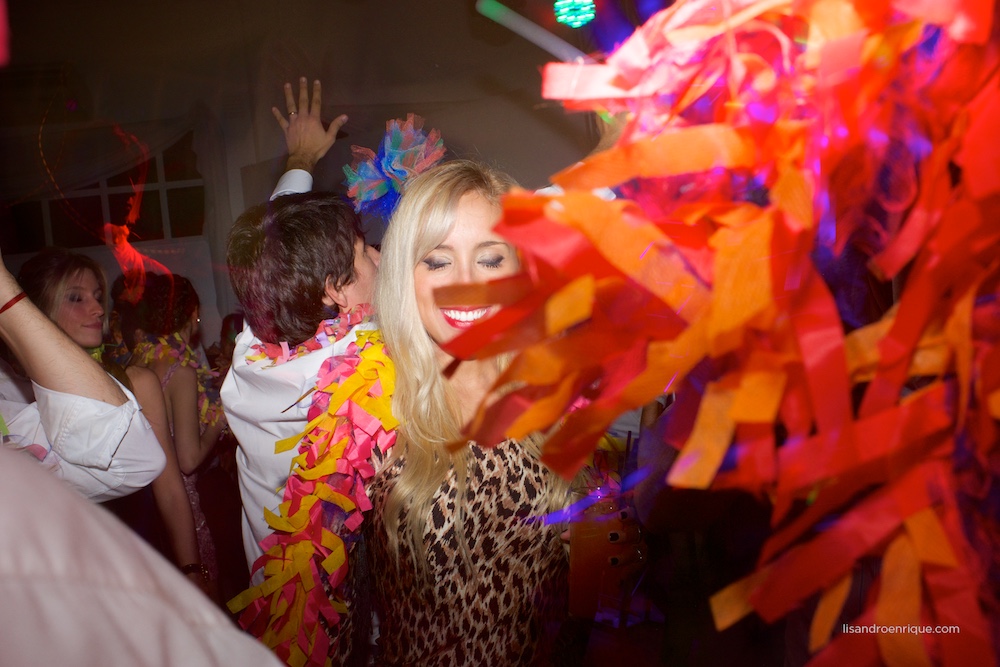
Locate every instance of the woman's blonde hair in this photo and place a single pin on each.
(423, 401)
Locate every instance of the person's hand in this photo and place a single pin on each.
(606, 550)
(625, 545)
(305, 136)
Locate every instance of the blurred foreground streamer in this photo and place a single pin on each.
(765, 144)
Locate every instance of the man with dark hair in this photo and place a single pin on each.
(304, 275)
(293, 259)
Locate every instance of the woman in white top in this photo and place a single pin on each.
(72, 290)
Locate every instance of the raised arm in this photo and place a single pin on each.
(307, 140)
(49, 356)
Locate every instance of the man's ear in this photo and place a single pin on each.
(332, 296)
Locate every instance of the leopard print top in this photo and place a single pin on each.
(506, 611)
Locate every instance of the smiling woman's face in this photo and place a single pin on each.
(81, 310)
(472, 253)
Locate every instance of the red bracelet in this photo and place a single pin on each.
(12, 302)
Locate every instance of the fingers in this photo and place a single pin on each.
(289, 99)
(635, 555)
(306, 106)
(282, 123)
(317, 97)
(303, 96)
(335, 126)
(627, 533)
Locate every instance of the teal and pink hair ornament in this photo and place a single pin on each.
(375, 181)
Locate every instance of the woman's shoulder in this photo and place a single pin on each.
(144, 381)
(141, 374)
(181, 374)
(142, 378)
(168, 372)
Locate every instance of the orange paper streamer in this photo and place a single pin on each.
(766, 145)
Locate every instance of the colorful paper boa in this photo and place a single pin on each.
(323, 504)
(329, 331)
(161, 347)
(766, 139)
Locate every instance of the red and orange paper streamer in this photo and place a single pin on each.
(760, 135)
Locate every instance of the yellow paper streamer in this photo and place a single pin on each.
(899, 604)
(713, 430)
(824, 620)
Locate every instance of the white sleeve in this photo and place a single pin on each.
(293, 181)
(79, 588)
(103, 451)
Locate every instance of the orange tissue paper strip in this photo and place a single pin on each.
(804, 247)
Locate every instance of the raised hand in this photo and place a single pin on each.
(305, 136)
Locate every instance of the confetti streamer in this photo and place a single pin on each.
(766, 142)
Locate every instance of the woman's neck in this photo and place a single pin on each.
(470, 382)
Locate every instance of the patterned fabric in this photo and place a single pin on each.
(312, 606)
(505, 611)
(206, 545)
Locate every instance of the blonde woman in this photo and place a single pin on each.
(463, 570)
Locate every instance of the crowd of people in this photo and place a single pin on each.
(151, 352)
(78, 587)
(375, 464)
(442, 551)
(314, 478)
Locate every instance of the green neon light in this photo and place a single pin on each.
(574, 13)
